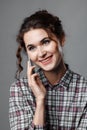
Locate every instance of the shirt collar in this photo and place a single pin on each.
(66, 79)
(64, 82)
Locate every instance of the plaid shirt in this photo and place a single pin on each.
(66, 104)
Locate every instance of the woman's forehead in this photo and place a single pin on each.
(35, 35)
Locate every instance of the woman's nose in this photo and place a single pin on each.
(41, 52)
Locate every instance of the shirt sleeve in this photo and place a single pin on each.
(83, 120)
(82, 124)
(20, 114)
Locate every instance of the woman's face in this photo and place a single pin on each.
(42, 50)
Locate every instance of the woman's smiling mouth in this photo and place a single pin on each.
(47, 60)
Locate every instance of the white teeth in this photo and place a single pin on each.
(45, 59)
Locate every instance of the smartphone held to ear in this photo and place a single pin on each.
(35, 70)
(30, 62)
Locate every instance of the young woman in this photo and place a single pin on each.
(52, 97)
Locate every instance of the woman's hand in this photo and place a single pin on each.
(35, 84)
(40, 93)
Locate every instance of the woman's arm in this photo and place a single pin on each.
(39, 92)
(39, 117)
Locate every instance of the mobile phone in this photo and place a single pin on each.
(31, 64)
(35, 70)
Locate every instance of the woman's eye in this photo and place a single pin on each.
(46, 41)
(31, 48)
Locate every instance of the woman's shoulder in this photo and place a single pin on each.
(20, 85)
(20, 82)
(78, 78)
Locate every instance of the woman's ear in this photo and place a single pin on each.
(63, 41)
(60, 48)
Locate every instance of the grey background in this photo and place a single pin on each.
(73, 14)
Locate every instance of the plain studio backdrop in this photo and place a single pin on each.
(73, 14)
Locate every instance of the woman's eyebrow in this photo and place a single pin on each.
(41, 41)
(44, 39)
(29, 45)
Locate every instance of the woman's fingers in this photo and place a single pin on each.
(30, 69)
(34, 83)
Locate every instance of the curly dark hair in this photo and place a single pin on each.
(40, 19)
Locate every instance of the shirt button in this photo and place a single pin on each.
(54, 128)
(54, 90)
(53, 108)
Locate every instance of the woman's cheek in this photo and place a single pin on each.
(52, 48)
(33, 57)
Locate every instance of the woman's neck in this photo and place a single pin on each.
(54, 76)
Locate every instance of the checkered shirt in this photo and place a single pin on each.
(65, 104)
